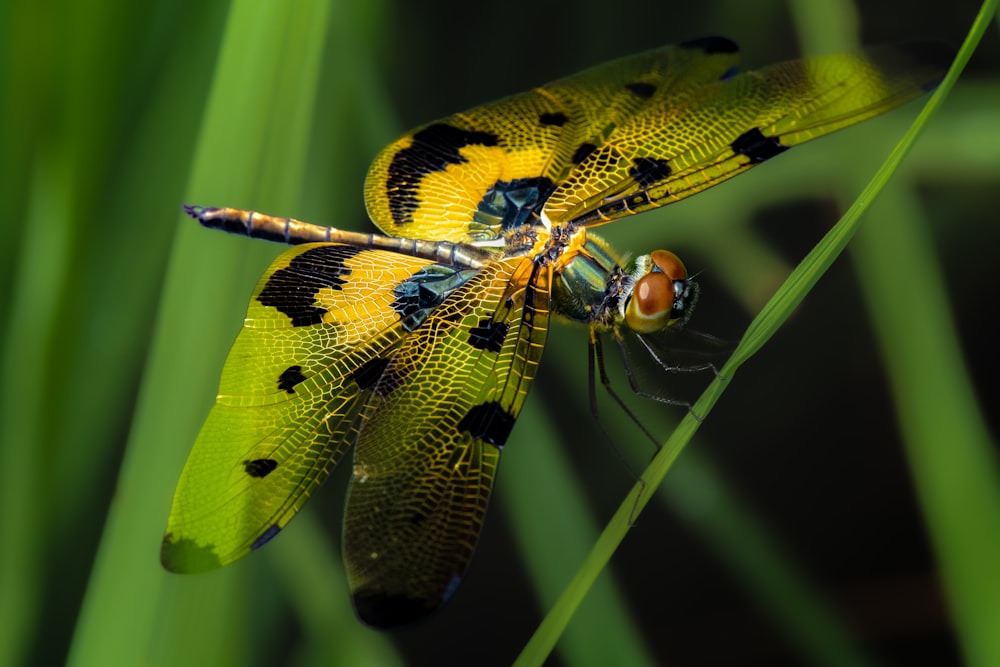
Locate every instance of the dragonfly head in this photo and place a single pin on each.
(663, 295)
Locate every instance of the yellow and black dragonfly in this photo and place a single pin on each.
(420, 345)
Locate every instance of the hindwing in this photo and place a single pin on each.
(431, 441)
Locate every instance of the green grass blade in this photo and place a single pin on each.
(23, 409)
(86, 270)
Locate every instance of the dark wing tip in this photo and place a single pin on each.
(385, 611)
(184, 556)
(925, 63)
(931, 55)
(711, 44)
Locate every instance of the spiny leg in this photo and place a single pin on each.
(594, 351)
(596, 355)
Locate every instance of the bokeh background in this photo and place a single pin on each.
(837, 507)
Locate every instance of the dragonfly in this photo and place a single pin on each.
(419, 345)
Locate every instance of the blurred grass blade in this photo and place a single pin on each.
(761, 329)
(34, 307)
(952, 455)
(252, 151)
(82, 278)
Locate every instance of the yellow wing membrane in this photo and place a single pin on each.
(289, 401)
(420, 345)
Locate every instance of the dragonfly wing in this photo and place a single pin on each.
(431, 441)
(681, 144)
(472, 175)
(290, 399)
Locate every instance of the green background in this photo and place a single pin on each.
(825, 512)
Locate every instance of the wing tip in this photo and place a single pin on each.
(936, 56)
(185, 556)
(924, 63)
(711, 44)
(385, 611)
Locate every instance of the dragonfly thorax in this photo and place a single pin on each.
(591, 286)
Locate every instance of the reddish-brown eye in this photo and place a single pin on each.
(654, 294)
(655, 298)
(670, 264)
(651, 304)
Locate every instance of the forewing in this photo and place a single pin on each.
(684, 142)
(318, 329)
(469, 176)
(431, 441)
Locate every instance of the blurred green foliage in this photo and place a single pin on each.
(821, 512)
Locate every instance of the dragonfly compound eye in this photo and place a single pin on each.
(657, 298)
(669, 263)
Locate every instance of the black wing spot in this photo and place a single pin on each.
(290, 377)
(293, 290)
(641, 89)
(582, 151)
(558, 119)
(488, 422)
(648, 171)
(710, 45)
(489, 335)
(260, 467)
(368, 374)
(756, 146)
(433, 149)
